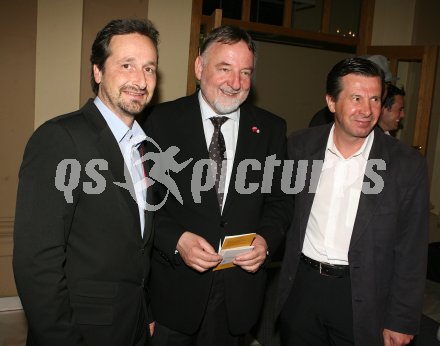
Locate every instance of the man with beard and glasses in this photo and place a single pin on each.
(82, 243)
(191, 303)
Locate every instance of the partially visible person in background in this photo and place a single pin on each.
(393, 109)
(322, 117)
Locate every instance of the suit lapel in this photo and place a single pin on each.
(246, 143)
(368, 203)
(109, 150)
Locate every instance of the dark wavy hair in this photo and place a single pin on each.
(356, 65)
(390, 97)
(100, 47)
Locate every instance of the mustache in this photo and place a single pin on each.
(133, 89)
(231, 91)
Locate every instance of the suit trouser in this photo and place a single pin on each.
(214, 329)
(318, 310)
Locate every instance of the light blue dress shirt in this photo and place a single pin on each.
(129, 140)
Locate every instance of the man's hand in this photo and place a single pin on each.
(251, 261)
(196, 252)
(391, 338)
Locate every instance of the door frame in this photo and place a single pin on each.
(427, 56)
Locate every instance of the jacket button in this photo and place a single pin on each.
(142, 251)
(223, 224)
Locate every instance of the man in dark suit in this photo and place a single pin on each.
(82, 242)
(355, 254)
(192, 304)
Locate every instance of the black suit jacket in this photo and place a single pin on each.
(80, 264)
(388, 248)
(179, 293)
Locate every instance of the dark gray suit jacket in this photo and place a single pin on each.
(179, 293)
(80, 264)
(388, 248)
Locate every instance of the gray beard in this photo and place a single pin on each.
(222, 108)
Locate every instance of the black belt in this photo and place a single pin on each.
(327, 269)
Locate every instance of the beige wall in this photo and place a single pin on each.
(290, 81)
(173, 19)
(58, 58)
(17, 70)
(393, 22)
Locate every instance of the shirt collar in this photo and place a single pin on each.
(119, 129)
(364, 150)
(208, 112)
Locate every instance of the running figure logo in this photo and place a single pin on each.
(163, 163)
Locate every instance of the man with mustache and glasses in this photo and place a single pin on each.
(191, 303)
(81, 259)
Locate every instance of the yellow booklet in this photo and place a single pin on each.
(232, 247)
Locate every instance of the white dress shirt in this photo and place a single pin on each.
(129, 140)
(335, 205)
(230, 133)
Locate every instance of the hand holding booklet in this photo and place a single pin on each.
(232, 247)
